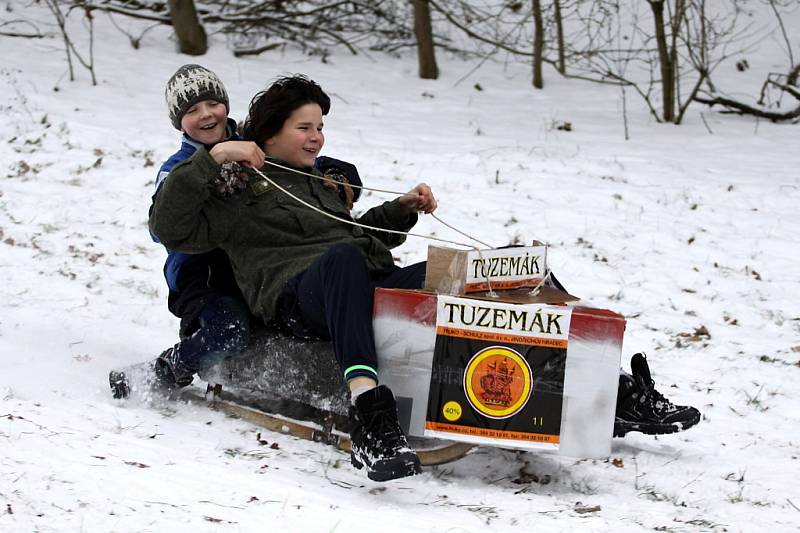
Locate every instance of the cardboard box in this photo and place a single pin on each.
(570, 400)
(453, 271)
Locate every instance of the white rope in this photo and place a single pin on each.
(358, 224)
(538, 287)
(461, 232)
(310, 175)
(322, 178)
(490, 291)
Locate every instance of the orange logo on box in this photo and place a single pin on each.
(498, 382)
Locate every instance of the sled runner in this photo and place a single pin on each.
(430, 452)
(281, 384)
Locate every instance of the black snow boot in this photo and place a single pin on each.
(640, 407)
(164, 373)
(170, 371)
(378, 442)
(120, 388)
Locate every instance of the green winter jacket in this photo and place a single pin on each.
(269, 237)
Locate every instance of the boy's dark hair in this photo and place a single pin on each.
(270, 108)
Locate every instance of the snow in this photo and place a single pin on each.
(678, 228)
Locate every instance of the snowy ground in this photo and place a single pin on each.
(693, 235)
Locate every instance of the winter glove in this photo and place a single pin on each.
(338, 182)
(232, 178)
(325, 164)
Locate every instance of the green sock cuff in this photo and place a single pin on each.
(360, 370)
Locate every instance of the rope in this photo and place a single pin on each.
(362, 187)
(321, 178)
(538, 287)
(442, 222)
(490, 292)
(358, 224)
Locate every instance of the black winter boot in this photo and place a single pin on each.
(377, 440)
(169, 370)
(640, 407)
(120, 388)
(162, 374)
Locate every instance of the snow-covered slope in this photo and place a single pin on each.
(690, 231)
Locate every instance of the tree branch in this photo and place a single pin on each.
(685, 106)
(257, 51)
(37, 35)
(25, 35)
(788, 88)
(477, 36)
(745, 109)
(128, 13)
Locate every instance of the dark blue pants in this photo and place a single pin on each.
(332, 299)
(223, 330)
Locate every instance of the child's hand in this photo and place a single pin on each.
(420, 198)
(231, 179)
(245, 152)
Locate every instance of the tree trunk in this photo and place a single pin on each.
(562, 63)
(422, 29)
(667, 68)
(538, 44)
(191, 35)
(675, 28)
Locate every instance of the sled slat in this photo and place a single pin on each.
(428, 457)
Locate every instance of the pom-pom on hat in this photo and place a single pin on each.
(191, 84)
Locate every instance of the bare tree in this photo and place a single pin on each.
(424, 34)
(558, 21)
(664, 50)
(69, 45)
(315, 26)
(666, 40)
(191, 36)
(776, 86)
(538, 44)
(672, 49)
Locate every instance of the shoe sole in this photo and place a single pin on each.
(623, 428)
(394, 470)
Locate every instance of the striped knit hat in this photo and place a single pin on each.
(191, 84)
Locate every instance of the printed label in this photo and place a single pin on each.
(498, 372)
(506, 268)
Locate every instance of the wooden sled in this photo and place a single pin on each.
(294, 387)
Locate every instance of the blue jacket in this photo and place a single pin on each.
(175, 260)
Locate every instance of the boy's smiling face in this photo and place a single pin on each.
(300, 139)
(205, 121)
